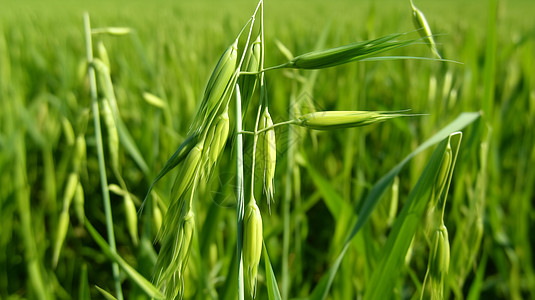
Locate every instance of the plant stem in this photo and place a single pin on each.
(240, 207)
(100, 153)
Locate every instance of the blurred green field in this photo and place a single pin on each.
(45, 106)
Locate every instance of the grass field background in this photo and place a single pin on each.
(171, 51)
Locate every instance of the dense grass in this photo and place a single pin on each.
(45, 105)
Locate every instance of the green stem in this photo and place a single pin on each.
(240, 207)
(100, 153)
(257, 132)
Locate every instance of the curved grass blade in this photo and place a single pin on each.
(141, 281)
(393, 255)
(271, 281)
(105, 293)
(83, 293)
(371, 201)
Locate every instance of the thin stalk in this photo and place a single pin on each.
(240, 207)
(100, 153)
(286, 202)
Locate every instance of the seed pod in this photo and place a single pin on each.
(79, 153)
(154, 100)
(68, 131)
(347, 53)
(248, 82)
(326, 120)
(113, 136)
(156, 217)
(219, 82)
(252, 244)
(270, 154)
(173, 258)
(111, 30)
(63, 226)
(439, 258)
(103, 54)
(78, 203)
(70, 189)
(217, 138)
(443, 173)
(420, 23)
(185, 175)
(131, 217)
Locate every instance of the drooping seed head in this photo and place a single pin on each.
(111, 30)
(216, 138)
(63, 226)
(113, 135)
(252, 244)
(439, 261)
(327, 120)
(443, 173)
(186, 173)
(131, 217)
(220, 81)
(347, 53)
(103, 54)
(248, 82)
(156, 217)
(420, 23)
(79, 153)
(78, 203)
(173, 258)
(269, 154)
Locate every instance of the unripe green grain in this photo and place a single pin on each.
(113, 135)
(63, 226)
(252, 244)
(111, 30)
(79, 153)
(424, 29)
(345, 54)
(443, 173)
(248, 82)
(103, 54)
(216, 138)
(173, 259)
(131, 217)
(327, 120)
(219, 82)
(68, 131)
(269, 144)
(63, 223)
(439, 261)
(70, 189)
(185, 175)
(156, 217)
(78, 203)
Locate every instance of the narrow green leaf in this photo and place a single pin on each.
(371, 201)
(271, 281)
(141, 281)
(105, 293)
(393, 255)
(84, 293)
(477, 284)
(334, 202)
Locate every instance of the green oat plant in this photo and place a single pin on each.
(235, 78)
(51, 192)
